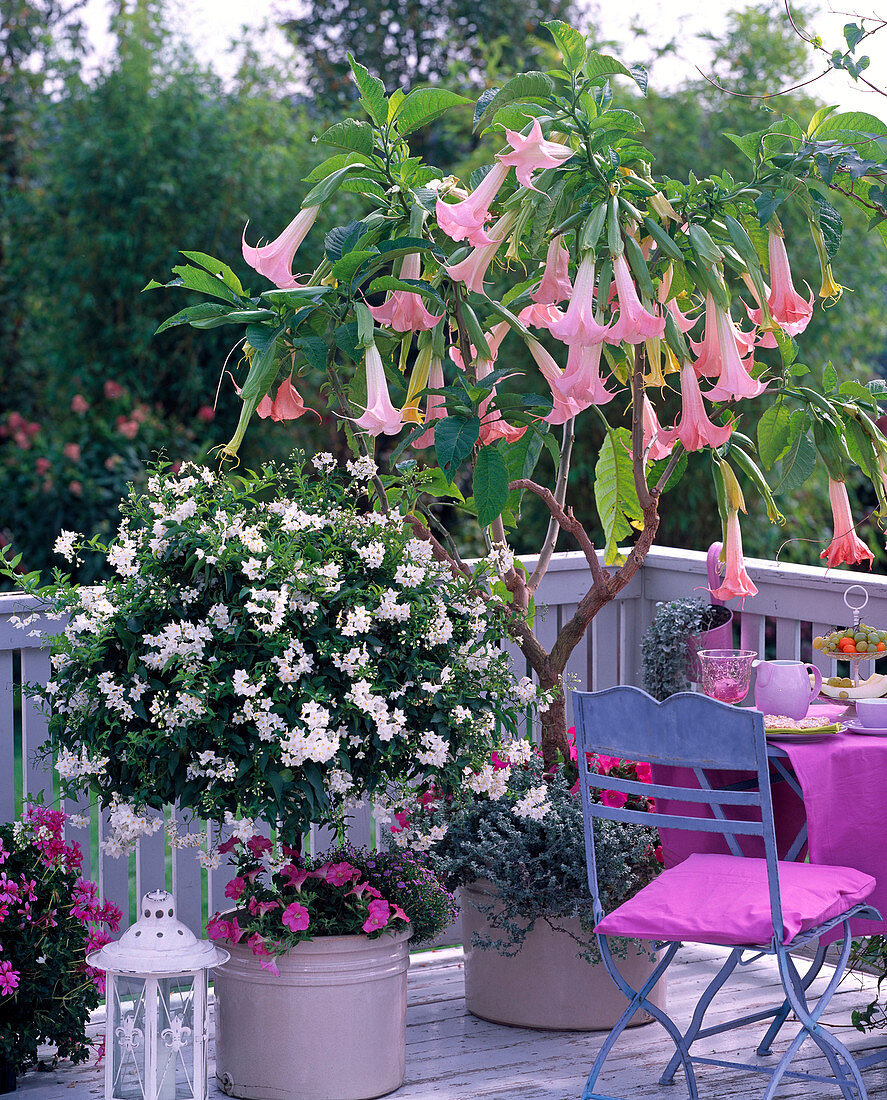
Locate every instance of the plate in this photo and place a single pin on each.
(814, 734)
(853, 725)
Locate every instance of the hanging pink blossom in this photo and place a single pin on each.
(275, 260)
(846, 547)
(403, 310)
(555, 285)
(532, 152)
(635, 323)
(380, 416)
(734, 381)
(656, 446)
(473, 269)
(683, 322)
(582, 378)
(707, 350)
(286, 405)
(579, 324)
(538, 315)
(492, 425)
(435, 405)
(565, 406)
(788, 308)
(465, 220)
(694, 429)
(737, 582)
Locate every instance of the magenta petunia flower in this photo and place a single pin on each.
(296, 917)
(9, 978)
(379, 915)
(235, 888)
(275, 260)
(617, 799)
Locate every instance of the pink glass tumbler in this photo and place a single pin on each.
(726, 673)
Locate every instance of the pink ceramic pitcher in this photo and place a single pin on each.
(783, 687)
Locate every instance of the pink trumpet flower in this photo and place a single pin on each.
(734, 382)
(465, 220)
(287, 404)
(683, 322)
(380, 416)
(788, 308)
(472, 270)
(435, 405)
(579, 325)
(706, 350)
(846, 547)
(582, 379)
(736, 582)
(635, 323)
(532, 152)
(275, 260)
(555, 285)
(654, 437)
(694, 429)
(405, 311)
(492, 426)
(565, 406)
(537, 315)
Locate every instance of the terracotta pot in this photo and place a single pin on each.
(546, 985)
(331, 1027)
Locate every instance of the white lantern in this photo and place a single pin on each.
(156, 978)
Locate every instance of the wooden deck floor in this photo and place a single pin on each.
(454, 1056)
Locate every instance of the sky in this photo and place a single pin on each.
(212, 24)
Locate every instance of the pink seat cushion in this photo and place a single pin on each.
(725, 899)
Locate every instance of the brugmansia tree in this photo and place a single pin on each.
(623, 286)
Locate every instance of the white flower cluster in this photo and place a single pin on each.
(126, 827)
(435, 751)
(372, 553)
(319, 744)
(173, 713)
(525, 691)
(323, 461)
(294, 662)
(489, 780)
(183, 640)
(268, 607)
(115, 696)
(339, 782)
(364, 469)
(209, 763)
(517, 751)
(122, 557)
(389, 721)
(352, 660)
(534, 804)
(357, 620)
(420, 841)
(96, 610)
(268, 724)
(65, 545)
(501, 558)
(243, 685)
(241, 827)
(73, 765)
(389, 608)
(183, 840)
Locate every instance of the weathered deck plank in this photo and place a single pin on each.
(454, 1056)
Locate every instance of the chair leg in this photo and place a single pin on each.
(701, 1007)
(638, 999)
(783, 1012)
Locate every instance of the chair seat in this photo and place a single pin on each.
(725, 899)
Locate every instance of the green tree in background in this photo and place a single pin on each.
(410, 41)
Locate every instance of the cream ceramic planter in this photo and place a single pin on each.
(545, 985)
(331, 1027)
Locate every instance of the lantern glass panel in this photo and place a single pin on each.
(128, 1037)
(175, 1033)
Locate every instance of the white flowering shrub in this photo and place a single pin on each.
(270, 649)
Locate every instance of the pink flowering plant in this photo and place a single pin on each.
(665, 311)
(270, 649)
(50, 919)
(520, 831)
(279, 899)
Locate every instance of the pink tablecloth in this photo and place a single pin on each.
(844, 783)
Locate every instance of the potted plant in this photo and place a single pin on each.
(271, 649)
(50, 919)
(679, 630)
(515, 847)
(330, 934)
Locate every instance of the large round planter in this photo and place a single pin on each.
(546, 985)
(331, 1027)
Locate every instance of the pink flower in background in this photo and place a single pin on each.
(235, 888)
(217, 929)
(361, 888)
(492, 424)
(579, 325)
(694, 429)
(846, 546)
(555, 285)
(654, 437)
(465, 220)
(258, 845)
(380, 416)
(260, 908)
(435, 405)
(127, 427)
(635, 322)
(644, 772)
(398, 912)
(296, 917)
(113, 390)
(707, 350)
(737, 582)
(473, 269)
(295, 876)
(338, 874)
(616, 799)
(275, 260)
(9, 978)
(271, 966)
(734, 381)
(607, 763)
(287, 404)
(75, 488)
(257, 944)
(206, 413)
(404, 311)
(531, 153)
(788, 308)
(235, 932)
(379, 915)
(538, 315)
(79, 404)
(42, 466)
(72, 451)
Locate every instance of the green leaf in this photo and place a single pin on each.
(486, 97)
(195, 278)
(490, 485)
(298, 296)
(614, 491)
(626, 121)
(748, 144)
(829, 378)
(436, 485)
(774, 434)
(853, 35)
(345, 268)
(602, 65)
(856, 128)
(860, 447)
(424, 105)
(656, 469)
(531, 85)
(202, 312)
(350, 134)
(454, 440)
(798, 464)
(372, 92)
(332, 164)
(217, 268)
(788, 349)
(322, 191)
(569, 41)
(363, 185)
(315, 350)
(768, 202)
(414, 286)
(342, 239)
(515, 116)
(830, 222)
(262, 372)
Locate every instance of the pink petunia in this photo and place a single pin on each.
(260, 908)
(259, 844)
(379, 915)
(9, 978)
(296, 917)
(616, 799)
(235, 888)
(257, 944)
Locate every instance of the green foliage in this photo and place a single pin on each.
(664, 647)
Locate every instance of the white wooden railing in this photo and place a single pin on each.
(794, 603)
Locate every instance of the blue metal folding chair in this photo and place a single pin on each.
(755, 906)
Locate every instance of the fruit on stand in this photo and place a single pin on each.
(853, 641)
(842, 687)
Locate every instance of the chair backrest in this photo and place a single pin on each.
(686, 731)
